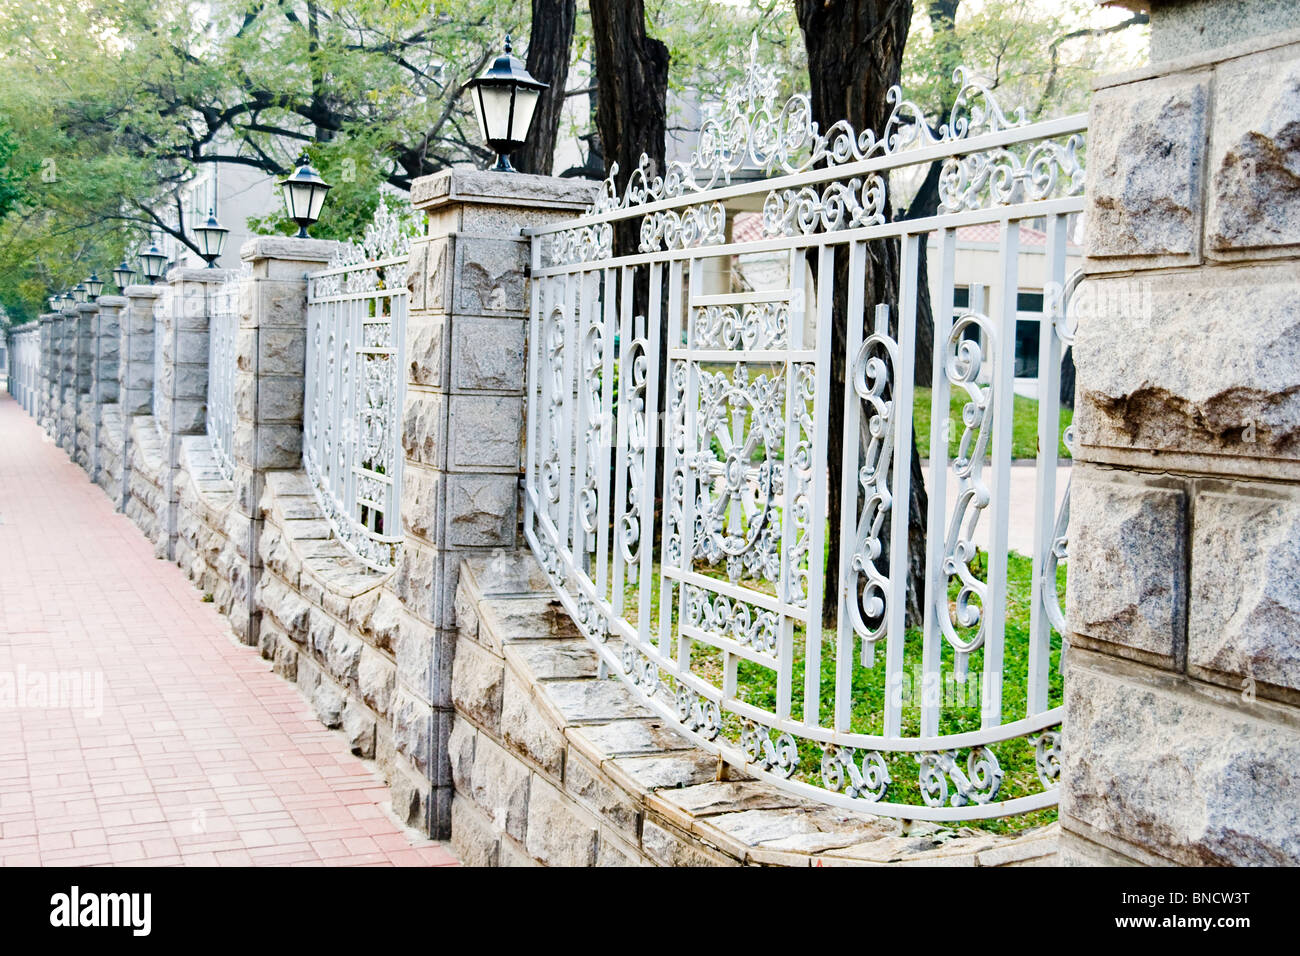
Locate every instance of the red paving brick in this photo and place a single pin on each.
(194, 753)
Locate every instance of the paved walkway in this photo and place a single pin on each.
(133, 728)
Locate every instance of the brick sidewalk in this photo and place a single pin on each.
(194, 752)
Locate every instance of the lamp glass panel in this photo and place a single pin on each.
(478, 111)
(316, 201)
(525, 105)
(286, 191)
(297, 198)
(212, 241)
(152, 265)
(494, 108)
(291, 197)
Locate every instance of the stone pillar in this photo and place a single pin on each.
(182, 381)
(51, 372)
(135, 369)
(65, 431)
(104, 387)
(1182, 690)
(87, 317)
(45, 378)
(463, 416)
(270, 369)
(50, 329)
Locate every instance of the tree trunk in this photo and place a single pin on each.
(925, 203)
(855, 54)
(632, 120)
(943, 21)
(549, 44)
(631, 100)
(1067, 378)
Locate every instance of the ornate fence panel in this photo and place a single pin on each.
(356, 329)
(690, 544)
(223, 325)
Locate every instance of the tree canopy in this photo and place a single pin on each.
(107, 107)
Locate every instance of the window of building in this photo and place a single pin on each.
(1029, 304)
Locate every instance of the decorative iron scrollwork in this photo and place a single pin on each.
(964, 363)
(698, 714)
(1047, 757)
(841, 773)
(737, 471)
(779, 756)
(979, 783)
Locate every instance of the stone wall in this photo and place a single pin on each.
(1182, 696)
(134, 374)
(84, 412)
(146, 497)
(87, 413)
(105, 388)
(336, 629)
(456, 672)
(553, 765)
(66, 420)
(181, 391)
(45, 387)
(112, 452)
(204, 548)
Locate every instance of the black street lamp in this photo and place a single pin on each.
(78, 293)
(152, 263)
(94, 286)
(212, 239)
(123, 275)
(505, 98)
(55, 301)
(66, 302)
(304, 195)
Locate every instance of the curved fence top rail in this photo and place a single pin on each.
(748, 133)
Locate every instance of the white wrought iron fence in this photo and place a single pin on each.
(356, 328)
(690, 545)
(223, 325)
(25, 365)
(161, 306)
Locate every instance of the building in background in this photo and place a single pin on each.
(237, 193)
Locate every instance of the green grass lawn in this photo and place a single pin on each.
(757, 685)
(1024, 424)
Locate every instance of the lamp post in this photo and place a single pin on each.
(152, 263)
(94, 286)
(79, 293)
(123, 275)
(212, 239)
(55, 300)
(304, 195)
(504, 99)
(66, 302)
